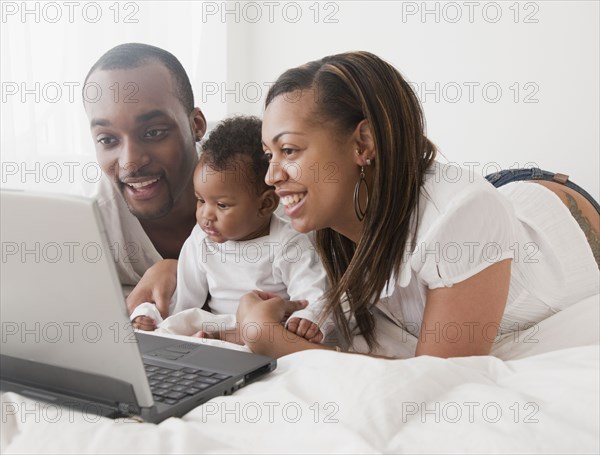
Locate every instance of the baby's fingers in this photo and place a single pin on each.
(312, 331)
(304, 327)
(317, 338)
(292, 325)
(144, 323)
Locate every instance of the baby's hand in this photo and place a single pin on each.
(144, 323)
(305, 329)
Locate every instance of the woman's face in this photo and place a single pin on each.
(312, 166)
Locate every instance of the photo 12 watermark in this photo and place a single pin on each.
(470, 412)
(70, 12)
(471, 332)
(26, 411)
(271, 12)
(269, 412)
(489, 92)
(448, 12)
(53, 92)
(66, 332)
(14, 172)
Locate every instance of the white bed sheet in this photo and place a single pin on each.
(540, 394)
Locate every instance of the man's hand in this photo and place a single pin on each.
(156, 286)
(306, 329)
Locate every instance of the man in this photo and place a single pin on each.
(140, 104)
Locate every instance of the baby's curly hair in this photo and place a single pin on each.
(235, 145)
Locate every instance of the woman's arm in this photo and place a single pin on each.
(156, 286)
(463, 320)
(259, 316)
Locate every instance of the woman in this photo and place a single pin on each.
(406, 240)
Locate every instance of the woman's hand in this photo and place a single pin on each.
(260, 315)
(156, 286)
(260, 306)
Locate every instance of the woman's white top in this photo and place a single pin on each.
(466, 225)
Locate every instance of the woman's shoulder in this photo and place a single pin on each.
(447, 185)
(453, 194)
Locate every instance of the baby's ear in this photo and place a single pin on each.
(268, 202)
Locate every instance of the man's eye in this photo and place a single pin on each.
(106, 140)
(155, 133)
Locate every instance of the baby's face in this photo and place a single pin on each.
(227, 208)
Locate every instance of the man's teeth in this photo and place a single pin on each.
(292, 199)
(142, 184)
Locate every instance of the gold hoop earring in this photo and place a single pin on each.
(360, 213)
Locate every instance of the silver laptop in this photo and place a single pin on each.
(66, 335)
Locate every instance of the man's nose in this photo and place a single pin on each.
(133, 157)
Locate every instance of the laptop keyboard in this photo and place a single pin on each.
(170, 385)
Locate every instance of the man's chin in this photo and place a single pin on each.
(149, 211)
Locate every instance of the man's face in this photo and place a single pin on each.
(145, 141)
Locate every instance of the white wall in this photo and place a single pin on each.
(47, 48)
(551, 52)
(233, 50)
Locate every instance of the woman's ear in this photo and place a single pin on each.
(365, 143)
(268, 202)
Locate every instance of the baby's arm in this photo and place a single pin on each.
(146, 317)
(305, 279)
(192, 283)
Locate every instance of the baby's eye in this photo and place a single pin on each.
(200, 201)
(221, 205)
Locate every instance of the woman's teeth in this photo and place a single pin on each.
(291, 200)
(142, 184)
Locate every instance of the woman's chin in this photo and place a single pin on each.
(301, 225)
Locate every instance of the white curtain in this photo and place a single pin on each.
(47, 50)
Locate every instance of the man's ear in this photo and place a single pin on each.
(198, 124)
(268, 202)
(365, 143)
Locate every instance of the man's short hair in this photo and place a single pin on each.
(134, 55)
(235, 145)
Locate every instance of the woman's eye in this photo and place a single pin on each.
(287, 151)
(269, 156)
(106, 140)
(155, 133)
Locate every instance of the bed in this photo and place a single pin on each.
(539, 392)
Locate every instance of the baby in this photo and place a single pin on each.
(239, 244)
